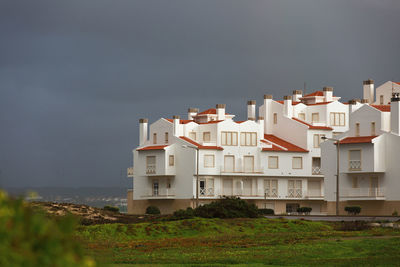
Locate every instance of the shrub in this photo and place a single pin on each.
(111, 208)
(353, 210)
(227, 207)
(395, 213)
(266, 211)
(183, 214)
(353, 226)
(28, 237)
(152, 210)
(304, 210)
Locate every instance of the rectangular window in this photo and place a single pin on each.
(248, 139)
(295, 188)
(273, 162)
(151, 164)
(155, 188)
(372, 128)
(275, 118)
(192, 135)
(166, 138)
(229, 163)
(338, 118)
(315, 117)
(168, 183)
(297, 163)
(355, 182)
(229, 138)
(154, 138)
(206, 187)
(171, 160)
(206, 137)
(381, 100)
(354, 160)
(248, 164)
(357, 129)
(318, 140)
(302, 116)
(271, 188)
(209, 161)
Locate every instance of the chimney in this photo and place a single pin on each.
(142, 131)
(266, 112)
(251, 110)
(364, 101)
(220, 112)
(287, 105)
(192, 112)
(261, 123)
(395, 113)
(177, 126)
(297, 94)
(328, 94)
(353, 105)
(369, 91)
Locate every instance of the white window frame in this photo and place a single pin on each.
(206, 162)
(301, 163)
(269, 162)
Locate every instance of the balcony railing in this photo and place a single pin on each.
(364, 192)
(295, 193)
(273, 192)
(129, 172)
(239, 169)
(161, 193)
(355, 165)
(314, 193)
(316, 170)
(206, 192)
(151, 169)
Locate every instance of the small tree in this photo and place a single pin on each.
(353, 210)
(153, 210)
(304, 210)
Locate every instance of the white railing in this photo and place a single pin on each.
(206, 192)
(151, 169)
(355, 165)
(316, 170)
(129, 172)
(295, 193)
(239, 169)
(371, 192)
(273, 192)
(314, 193)
(161, 192)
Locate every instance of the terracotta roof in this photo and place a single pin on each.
(384, 108)
(152, 148)
(239, 121)
(198, 145)
(181, 121)
(313, 127)
(294, 103)
(209, 122)
(316, 93)
(357, 139)
(398, 83)
(210, 111)
(320, 103)
(289, 147)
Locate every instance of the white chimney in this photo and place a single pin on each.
(297, 94)
(142, 131)
(368, 91)
(261, 123)
(251, 110)
(287, 105)
(267, 111)
(328, 94)
(220, 112)
(177, 126)
(395, 113)
(192, 112)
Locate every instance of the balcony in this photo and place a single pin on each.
(151, 169)
(129, 172)
(295, 193)
(241, 170)
(354, 165)
(161, 193)
(366, 193)
(271, 193)
(206, 192)
(313, 194)
(316, 170)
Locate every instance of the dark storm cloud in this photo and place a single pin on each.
(75, 76)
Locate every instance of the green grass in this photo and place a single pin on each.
(218, 242)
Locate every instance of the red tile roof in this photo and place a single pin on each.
(398, 83)
(384, 108)
(316, 93)
(313, 127)
(209, 122)
(294, 103)
(320, 103)
(278, 142)
(181, 121)
(210, 111)
(152, 148)
(198, 145)
(357, 139)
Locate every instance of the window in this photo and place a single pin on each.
(372, 128)
(154, 138)
(229, 138)
(155, 188)
(354, 160)
(316, 166)
(192, 135)
(302, 116)
(206, 137)
(248, 164)
(315, 117)
(381, 99)
(171, 160)
(273, 162)
(295, 188)
(206, 187)
(248, 139)
(209, 161)
(271, 188)
(151, 164)
(168, 183)
(318, 140)
(166, 138)
(229, 163)
(357, 129)
(275, 118)
(355, 182)
(297, 163)
(338, 118)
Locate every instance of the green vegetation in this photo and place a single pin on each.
(304, 210)
(353, 210)
(152, 210)
(111, 208)
(29, 238)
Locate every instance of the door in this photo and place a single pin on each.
(374, 186)
(227, 187)
(247, 187)
(248, 163)
(229, 162)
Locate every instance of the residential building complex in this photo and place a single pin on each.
(272, 160)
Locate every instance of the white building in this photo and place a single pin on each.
(274, 161)
(369, 150)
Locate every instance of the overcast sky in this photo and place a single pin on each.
(75, 76)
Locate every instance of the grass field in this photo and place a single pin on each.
(223, 242)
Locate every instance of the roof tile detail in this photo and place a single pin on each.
(313, 127)
(384, 108)
(198, 145)
(152, 148)
(357, 139)
(280, 142)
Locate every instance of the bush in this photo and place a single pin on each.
(304, 210)
(353, 210)
(153, 210)
(183, 214)
(353, 226)
(395, 213)
(266, 211)
(111, 208)
(228, 207)
(28, 237)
